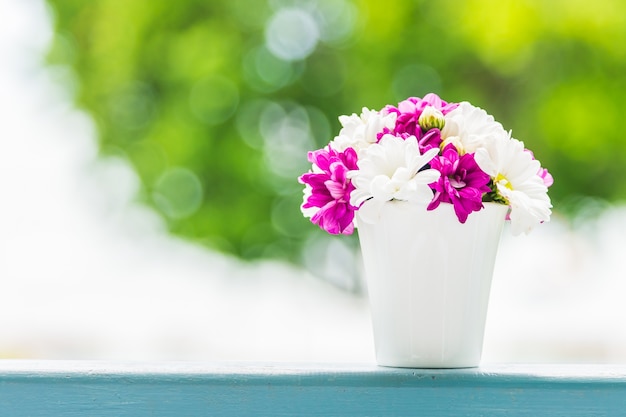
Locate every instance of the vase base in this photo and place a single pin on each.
(427, 366)
(429, 363)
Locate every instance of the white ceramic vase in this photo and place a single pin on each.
(428, 279)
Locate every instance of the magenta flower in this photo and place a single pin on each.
(429, 140)
(462, 182)
(327, 191)
(408, 114)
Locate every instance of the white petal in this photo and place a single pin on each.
(380, 189)
(415, 193)
(358, 196)
(369, 212)
(485, 162)
(471, 126)
(528, 211)
(427, 176)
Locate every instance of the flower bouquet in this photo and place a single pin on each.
(424, 151)
(428, 184)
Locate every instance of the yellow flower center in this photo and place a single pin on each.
(456, 142)
(501, 179)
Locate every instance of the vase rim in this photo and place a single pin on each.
(445, 209)
(449, 206)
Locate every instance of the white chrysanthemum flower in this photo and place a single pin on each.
(514, 172)
(469, 127)
(391, 170)
(359, 132)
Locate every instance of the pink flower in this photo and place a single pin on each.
(327, 191)
(408, 114)
(462, 182)
(543, 173)
(546, 177)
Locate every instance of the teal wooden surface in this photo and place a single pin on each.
(60, 388)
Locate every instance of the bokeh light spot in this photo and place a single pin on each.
(274, 71)
(133, 106)
(247, 122)
(266, 73)
(287, 138)
(178, 193)
(336, 20)
(292, 34)
(286, 217)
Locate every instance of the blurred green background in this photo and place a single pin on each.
(216, 102)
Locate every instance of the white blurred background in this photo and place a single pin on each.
(88, 273)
